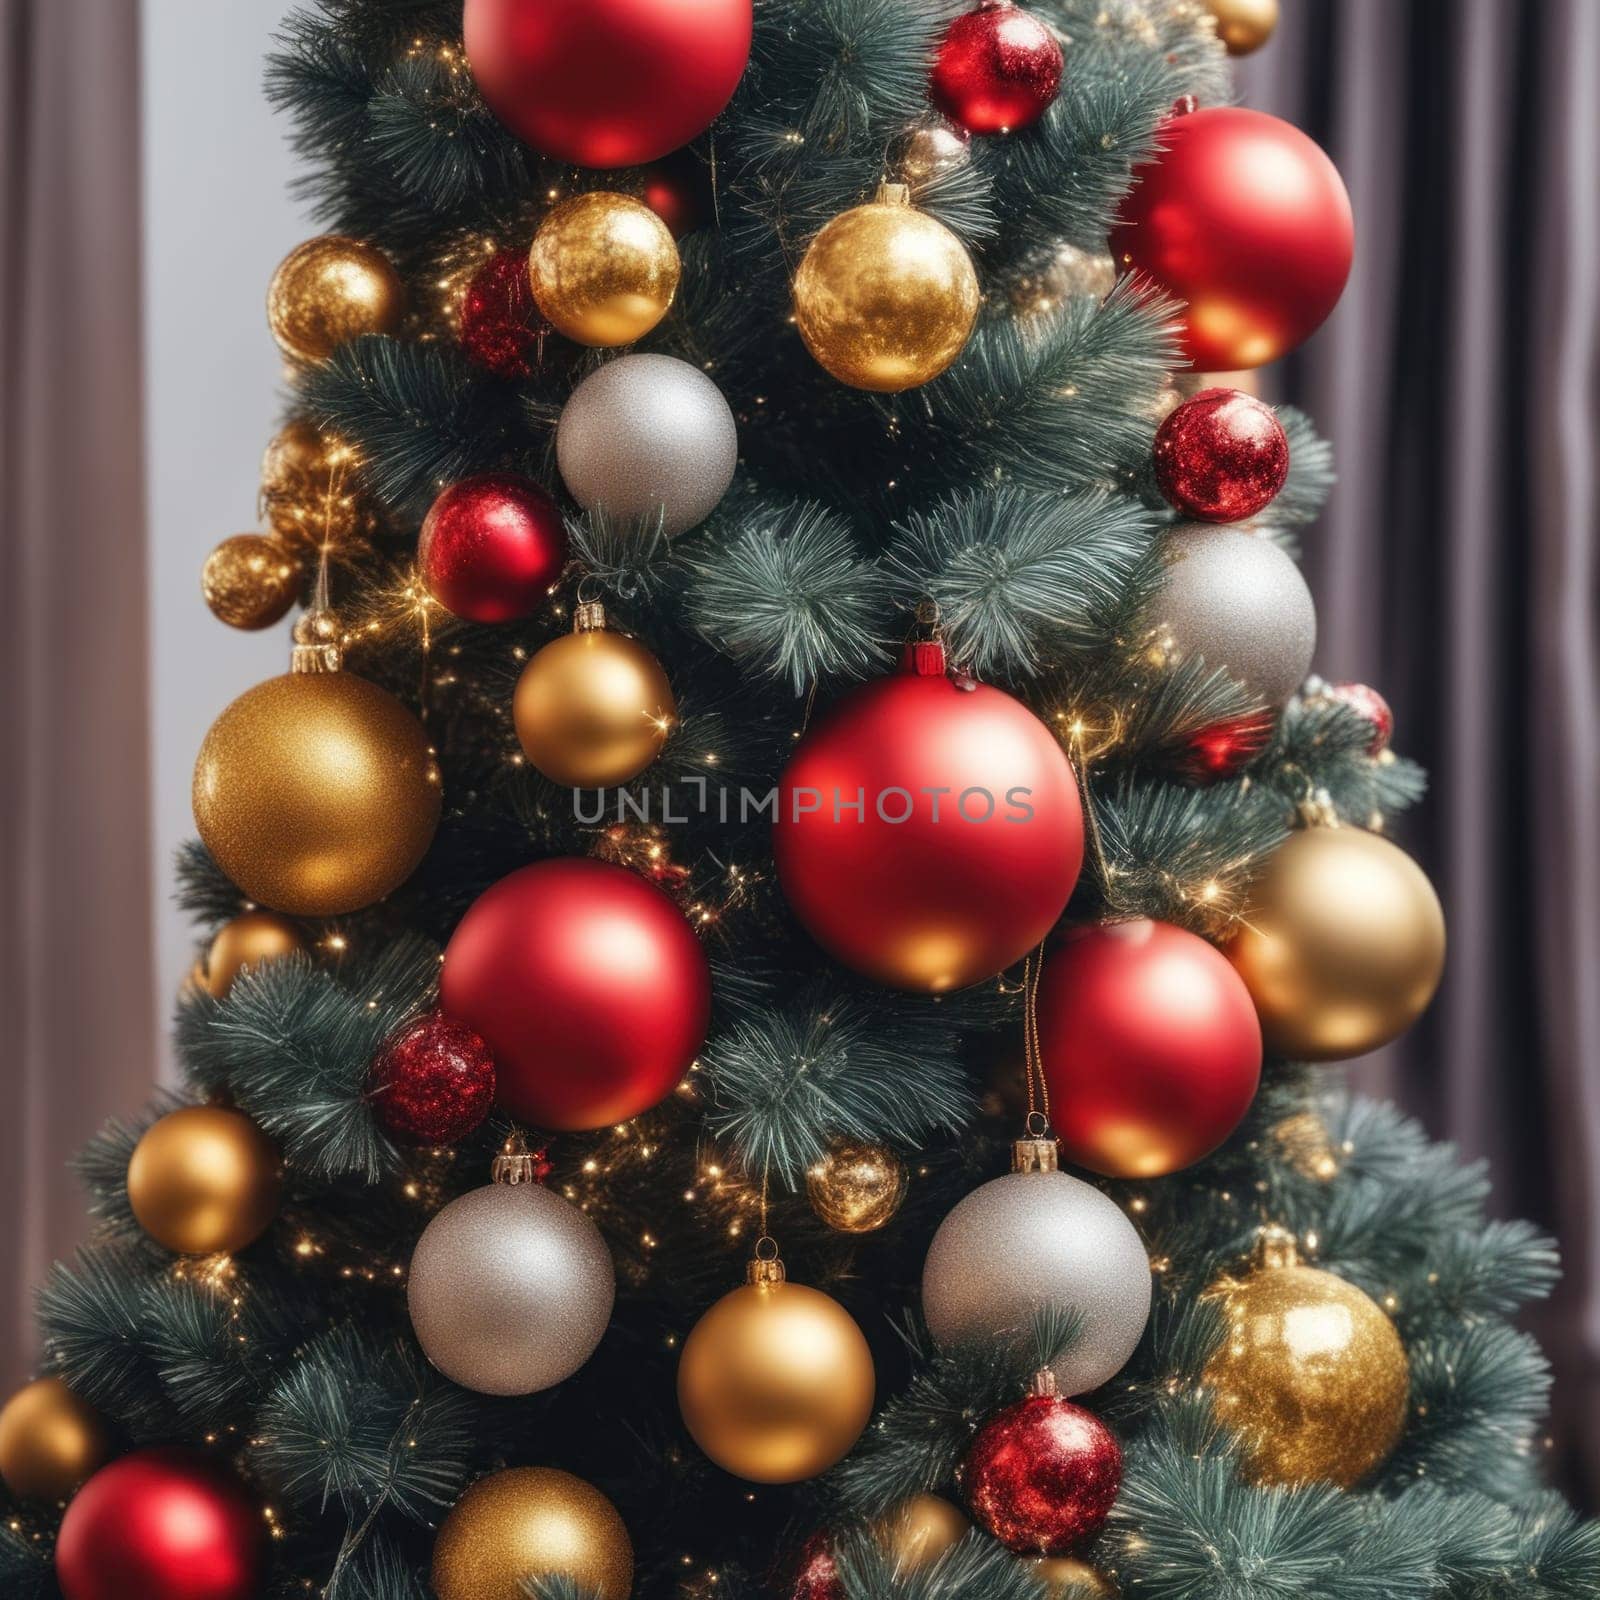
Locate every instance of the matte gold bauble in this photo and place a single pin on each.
(204, 1179)
(250, 581)
(1311, 1376)
(776, 1381)
(857, 1187)
(886, 295)
(50, 1441)
(309, 489)
(915, 1533)
(1067, 1578)
(330, 290)
(244, 943)
(1244, 25)
(594, 708)
(531, 1522)
(1342, 945)
(604, 268)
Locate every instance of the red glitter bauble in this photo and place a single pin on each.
(501, 326)
(588, 985)
(1221, 456)
(678, 189)
(607, 83)
(162, 1525)
(491, 547)
(929, 832)
(816, 1571)
(1150, 1044)
(997, 70)
(1245, 219)
(1224, 749)
(433, 1082)
(1042, 1475)
(1371, 707)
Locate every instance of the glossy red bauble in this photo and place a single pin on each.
(929, 832)
(433, 1082)
(501, 327)
(1224, 749)
(491, 547)
(162, 1525)
(1150, 1045)
(1247, 221)
(1222, 456)
(607, 83)
(1371, 707)
(1042, 1475)
(588, 985)
(997, 70)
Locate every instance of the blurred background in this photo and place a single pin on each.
(1455, 569)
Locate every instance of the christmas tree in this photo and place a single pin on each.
(767, 977)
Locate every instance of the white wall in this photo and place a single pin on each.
(217, 220)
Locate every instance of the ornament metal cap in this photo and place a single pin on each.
(765, 1268)
(316, 643)
(1317, 810)
(893, 194)
(1275, 1247)
(516, 1163)
(1044, 1384)
(1035, 1155)
(589, 616)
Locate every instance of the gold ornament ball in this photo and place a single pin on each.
(330, 290)
(1244, 25)
(776, 1382)
(604, 268)
(531, 1522)
(250, 581)
(50, 1441)
(316, 793)
(915, 1533)
(203, 1180)
(308, 485)
(1311, 1374)
(857, 1187)
(1342, 945)
(885, 296)
(1067, 1578)
(243, 944)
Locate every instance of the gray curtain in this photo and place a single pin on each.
(77, 1001)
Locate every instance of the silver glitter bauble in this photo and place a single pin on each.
(648, 436)
(1028, 1241)
(510, 1289)
(929, 150)
(1238, 601)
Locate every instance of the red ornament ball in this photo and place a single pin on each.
(162, 1525)
(997, 70)
(433, 1081)
(816, 1572)
(491, 547)
(1245, 219)
(501, 327)
(1222, 456)
(1151, 1047)
(1371, 707)
(678, 190)
(1224, 749)
(588, 985)
(929, 832)
(607, 83)
(1042, 1475)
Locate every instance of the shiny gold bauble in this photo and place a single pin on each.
(1311, 1375)
(50, 1441)
(1067, 1578)
(604, 268)
(857, 1187)
(593, 708)
(886, 295)
(309, 489)
(1342, 945)
(915, 1533)
(203, 1180)
(776, 1381)
(531, 1522)
(316, 793)
(330, 290)
(246, 943)
(1244, 25)
(250, 581)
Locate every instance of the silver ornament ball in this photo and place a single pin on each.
(510, 1289)
(648, 435)
(928, 150)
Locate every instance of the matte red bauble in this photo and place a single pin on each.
(501, 326)
(607, 83)
(1042, 1475)
(1222, 456)
(678, 190)
(588, 985)
(929, 832)
(433, 1081)
(491, 547)
(998, 69)
(162, 1525)
(1245, 219)
(1150, 1046)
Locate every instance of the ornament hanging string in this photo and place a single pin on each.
(1038, 1119)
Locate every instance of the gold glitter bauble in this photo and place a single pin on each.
(915, 1533)
(857, 1187)
(204, 1179)
(1244, 25)
(1067, 1578)
(250, 581)
(330, 290)
(50, 1441)
(885, 296)
(1342, 945)
(776, 1382)
(1311, 1376)
(309, 489)
(531, 1522)
(245, 943)
(604, 268)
